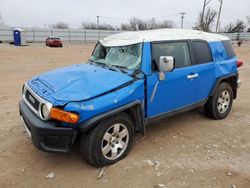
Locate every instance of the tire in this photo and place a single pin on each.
(219, 105)
(97, 145)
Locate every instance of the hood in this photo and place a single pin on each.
(77, 83)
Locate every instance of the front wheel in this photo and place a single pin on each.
(109, 142)
(219, 106)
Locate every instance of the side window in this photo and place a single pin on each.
(179, 50)
(229, 49)
(202, 52)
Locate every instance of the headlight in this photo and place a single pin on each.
(45, 111)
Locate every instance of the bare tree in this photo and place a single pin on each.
(139, 24)
(236, 27)
(125, 27)
(164, 24)
(248, 19)
(60, 25)
(208, 20)
(94, 26)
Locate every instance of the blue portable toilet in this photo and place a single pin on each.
(19, 37)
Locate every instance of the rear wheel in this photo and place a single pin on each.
(219, 106)
(109, 141)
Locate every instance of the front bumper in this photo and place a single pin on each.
(45, 135)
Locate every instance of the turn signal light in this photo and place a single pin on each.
(67, 117)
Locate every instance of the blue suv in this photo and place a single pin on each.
(132, 79)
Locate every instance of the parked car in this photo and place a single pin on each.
(54, 42)
(131, 80)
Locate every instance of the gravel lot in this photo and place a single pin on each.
(186, 150)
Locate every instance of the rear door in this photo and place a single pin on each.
(204, 67)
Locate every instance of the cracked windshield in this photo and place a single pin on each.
(128, 57)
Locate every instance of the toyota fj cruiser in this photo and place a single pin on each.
(131, 79)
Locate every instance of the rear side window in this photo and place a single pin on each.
(202, 52)
(179, 50)
(229, 49)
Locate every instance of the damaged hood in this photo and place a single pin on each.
(77, 83)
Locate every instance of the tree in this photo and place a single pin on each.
(236, 27)
(60, 25)
(94, 26)
(139, 24)
(248, 19)
(207, 22)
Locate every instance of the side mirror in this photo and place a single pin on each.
(166, 64)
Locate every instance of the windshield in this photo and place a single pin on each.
(128, 57)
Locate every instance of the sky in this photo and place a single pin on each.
(42, 13)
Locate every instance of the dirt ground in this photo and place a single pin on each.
(190, 149)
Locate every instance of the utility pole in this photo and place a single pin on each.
(218, 20)
(182, 18)
(98, 26)
(97, 21)
(203, 10)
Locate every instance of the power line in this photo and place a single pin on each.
(113, 18)
(119, 20)
(127, 19)
(243, 3)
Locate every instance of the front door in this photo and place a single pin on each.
(179, 89)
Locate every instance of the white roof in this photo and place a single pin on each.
(135, 37)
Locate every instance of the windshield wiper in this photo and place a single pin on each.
(136, 73)
(122, 68)
(110, 67)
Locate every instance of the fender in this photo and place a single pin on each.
(134, 109)
(232, 78)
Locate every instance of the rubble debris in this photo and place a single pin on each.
(159, 174)
(50, 175)
(101, 173)
(174, 137)
(157, 164)
(160, 186)
(150, 163)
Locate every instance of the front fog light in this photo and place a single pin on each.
(45, 111)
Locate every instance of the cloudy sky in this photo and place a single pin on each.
(41, 13)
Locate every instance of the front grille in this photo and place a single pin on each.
(32, 100)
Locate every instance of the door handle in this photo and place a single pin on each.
(192, 76)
